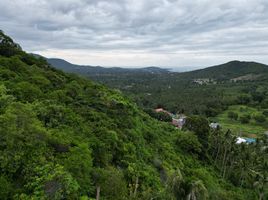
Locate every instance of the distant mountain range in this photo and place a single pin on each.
(227, 71)
(97, 70)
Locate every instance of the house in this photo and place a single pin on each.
(250, 140)
(201, 81)
(214, 125)
(163, 110)
(179, 122)
(240, 140)
(175, 122)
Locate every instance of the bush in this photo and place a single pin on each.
(260, 118)
(161, 116)
(264, 104)
(265, 113)
(233, 115)
(244, 119)
(189, 143)
(5, 188)
(243, 99)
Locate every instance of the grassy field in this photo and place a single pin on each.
(251, 129)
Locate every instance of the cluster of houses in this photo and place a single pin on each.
(204, 81)
(239, 140)
(177, 120)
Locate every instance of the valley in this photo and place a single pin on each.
(211, 92)
(63, 136)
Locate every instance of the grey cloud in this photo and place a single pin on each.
(152, 26)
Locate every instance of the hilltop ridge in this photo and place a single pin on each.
(228, 70)
(88, 70)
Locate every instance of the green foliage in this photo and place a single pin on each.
(64, 137)
(265, 113)
(7, 46)
(260, 118)
(244, 99)
(199, 125)
(51, 181)
(250, 129)
(189, 143)
(244, 119)
(111, 183)
(233, 115)
(5, 188)
(161, 116)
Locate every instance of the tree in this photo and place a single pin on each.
(200, 126)
(265, 113)
(5, 99)
(27, 92)
(5, 188)
(161, 116)
(258, 96)
(175, 184)
(243, 99)
(197, 191)
(189, 143)
(7, 46)
(110, 184)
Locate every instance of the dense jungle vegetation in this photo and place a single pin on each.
(231, 83)
(66, 137)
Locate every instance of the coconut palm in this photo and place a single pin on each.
(197, 191)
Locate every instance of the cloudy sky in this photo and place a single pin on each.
(166, 33)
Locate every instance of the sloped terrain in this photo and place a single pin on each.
(65, 137)
(228, 71)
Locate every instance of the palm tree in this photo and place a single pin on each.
(197, 191)
(260, 184)
(175, 184)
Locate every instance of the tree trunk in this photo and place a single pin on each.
(224, 157)
(261, 196)
(136, 187)
(98, 193)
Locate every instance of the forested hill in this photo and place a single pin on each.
(206, 91)
(227, 71)
(101, 71)
(65, 137)
(230, 70)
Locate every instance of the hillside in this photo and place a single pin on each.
(65, 137)
(228, 71)
(224, 72)
(206, 91)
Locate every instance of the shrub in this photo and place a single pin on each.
(243, 99)
(265, 113)
(244, 119)
(233, 115)
(260, 118)
(189, 143)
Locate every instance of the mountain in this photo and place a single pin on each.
(228, 71)
(66, 137)
(99, 71)
(205, 91)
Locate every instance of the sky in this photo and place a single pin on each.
(139, 33)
